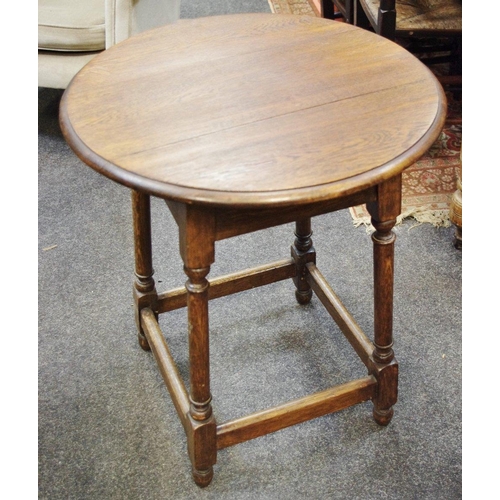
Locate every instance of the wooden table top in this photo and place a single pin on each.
(252, 110)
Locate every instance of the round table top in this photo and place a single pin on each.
(252, 110)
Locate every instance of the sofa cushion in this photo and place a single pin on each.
(70, 25)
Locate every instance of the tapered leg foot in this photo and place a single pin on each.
(203, 477)
(143, 342)
(383, 417)
(303, 297)
(457, 241)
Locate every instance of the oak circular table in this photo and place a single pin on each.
(240, 123)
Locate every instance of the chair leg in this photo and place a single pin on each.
(386, 23)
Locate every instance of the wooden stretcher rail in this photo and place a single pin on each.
(231, 283)
(166, 364)
(356, 337)
(294, 412)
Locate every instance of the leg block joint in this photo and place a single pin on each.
(387, 390)
(202, 448)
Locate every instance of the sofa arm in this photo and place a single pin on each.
(128, 17)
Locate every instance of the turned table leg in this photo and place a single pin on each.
(385, 368)
(303, 252)
(197, 251)
(144, 286)
(202, 436)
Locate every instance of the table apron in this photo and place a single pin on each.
(230, 222)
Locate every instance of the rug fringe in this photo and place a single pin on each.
(298, 7)
(438, 218)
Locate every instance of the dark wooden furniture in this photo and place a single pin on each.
(241, 123)
(392, 18)
(338, 9)
(429, 29)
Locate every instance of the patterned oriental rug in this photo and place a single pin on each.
(429, 184)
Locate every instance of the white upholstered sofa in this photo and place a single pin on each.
(71, 32)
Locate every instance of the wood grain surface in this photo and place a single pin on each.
(253, 110)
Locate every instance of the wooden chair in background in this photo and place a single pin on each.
(338, 9)
(429, 29)
(432, 31)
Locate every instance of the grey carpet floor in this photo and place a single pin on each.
(107, 427)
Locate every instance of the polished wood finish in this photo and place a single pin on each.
(383, 217)
(232, 283)
(297, 411)
(241, 123)
(144, 287)
(166, 363)
(250, 112)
